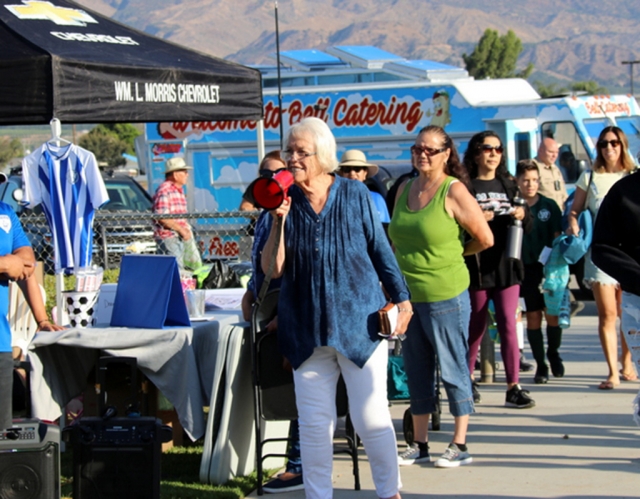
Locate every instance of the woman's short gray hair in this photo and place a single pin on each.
(323, 141)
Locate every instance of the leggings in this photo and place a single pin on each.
(505, 301)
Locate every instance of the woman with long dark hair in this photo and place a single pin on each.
(612, 163)
(494, 276)
(432, 211)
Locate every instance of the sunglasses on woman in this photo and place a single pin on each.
(270, 173)
(487, 148)
(349, 169)
(602, 144)
(429, 151)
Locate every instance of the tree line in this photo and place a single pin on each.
(496, 56)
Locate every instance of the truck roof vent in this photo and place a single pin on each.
(311, 60)
(364, 56)
(427, 70)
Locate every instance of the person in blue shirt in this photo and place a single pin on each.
(17, 263)
(332, 254)
(291, 479)
(354, 165)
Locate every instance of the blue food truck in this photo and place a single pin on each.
(377, 102)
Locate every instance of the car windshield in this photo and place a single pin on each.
(125, 195)
(6, 194)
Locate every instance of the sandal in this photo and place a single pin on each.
(628, 377)
(606, 385)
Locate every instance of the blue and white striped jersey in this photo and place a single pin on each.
(67, 182)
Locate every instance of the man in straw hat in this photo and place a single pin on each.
(354, 165)
(172, 233)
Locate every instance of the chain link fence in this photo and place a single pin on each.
(223, 235)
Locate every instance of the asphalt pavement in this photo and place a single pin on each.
(577, 442)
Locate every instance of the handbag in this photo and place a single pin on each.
(221, 276)
(388, 317)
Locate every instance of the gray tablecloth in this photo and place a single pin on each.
(180, 362)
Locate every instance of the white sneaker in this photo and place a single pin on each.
(413, 455)
(453, 457)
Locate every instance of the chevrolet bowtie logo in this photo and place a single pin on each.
(34, 9)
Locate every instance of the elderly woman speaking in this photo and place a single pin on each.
(332, 256)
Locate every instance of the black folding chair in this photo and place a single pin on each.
(274, 395)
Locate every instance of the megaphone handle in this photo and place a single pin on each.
(272, 262)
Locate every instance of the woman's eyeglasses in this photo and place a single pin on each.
(602, 144)
(349, 169)
(487, 148)
(429, 151)
(270, 173)
(290, 154)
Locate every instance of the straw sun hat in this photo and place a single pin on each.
(355, 157)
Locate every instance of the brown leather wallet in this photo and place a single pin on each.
(385, 324)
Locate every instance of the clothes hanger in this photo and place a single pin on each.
(56, 128)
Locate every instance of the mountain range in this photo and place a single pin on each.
(572, 40)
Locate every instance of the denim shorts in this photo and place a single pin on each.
(439, 329)
(594, 274)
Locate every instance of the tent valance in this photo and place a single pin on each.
(61, 60)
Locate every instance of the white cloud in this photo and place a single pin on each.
(247, 171)
(204, 200)
(229, 177)
(458, 101)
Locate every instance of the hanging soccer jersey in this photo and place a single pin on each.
(67, 182)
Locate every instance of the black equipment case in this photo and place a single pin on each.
(117, 456)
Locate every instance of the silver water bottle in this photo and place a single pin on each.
(515, 234)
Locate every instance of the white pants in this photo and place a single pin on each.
(315, 384)
(630, 325)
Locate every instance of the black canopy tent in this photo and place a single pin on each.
(60, 60)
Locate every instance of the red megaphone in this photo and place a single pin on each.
(270, 193)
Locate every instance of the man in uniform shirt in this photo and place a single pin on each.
(551, 180)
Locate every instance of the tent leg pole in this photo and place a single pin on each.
(59, 304)
(260, 132)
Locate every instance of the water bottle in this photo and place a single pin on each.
(515, 234)
(564, 317)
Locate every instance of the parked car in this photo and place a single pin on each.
(121, 222)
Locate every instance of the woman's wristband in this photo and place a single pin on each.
(405, 310)
(43, 321)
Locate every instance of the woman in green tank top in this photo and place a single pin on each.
(432, 213)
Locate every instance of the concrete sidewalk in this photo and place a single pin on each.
(577, 442)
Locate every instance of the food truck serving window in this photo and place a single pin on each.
(571, 148)
(523, 145)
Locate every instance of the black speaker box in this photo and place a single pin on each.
(30, 460)
(117, 457)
